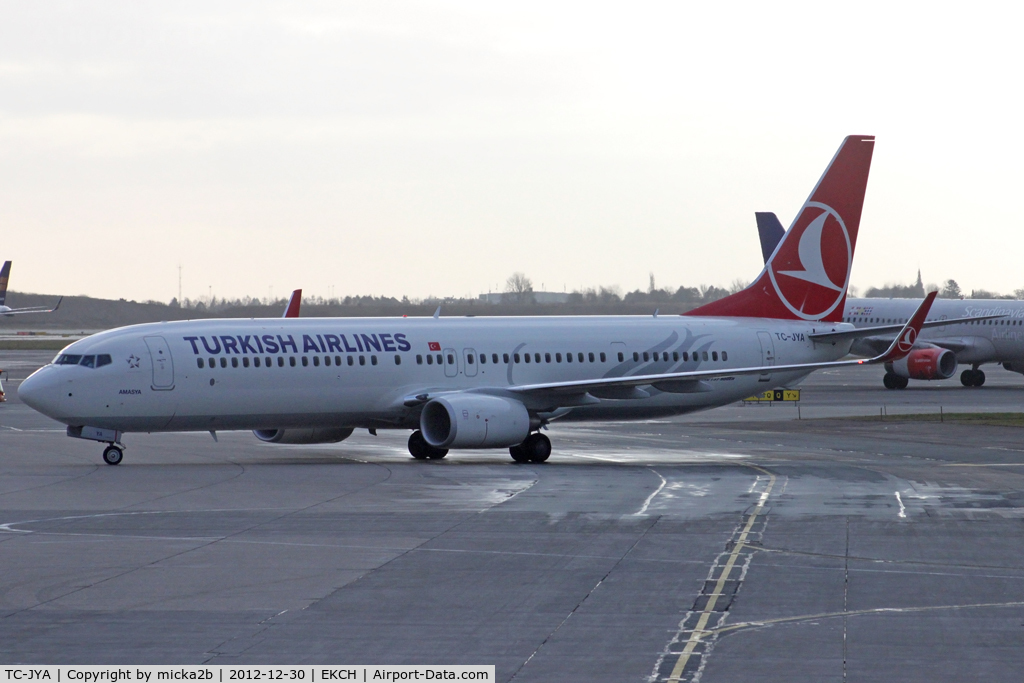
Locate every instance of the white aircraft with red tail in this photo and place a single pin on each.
(478, 382)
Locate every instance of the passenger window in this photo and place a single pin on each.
(256, 361)
(590, 356)
(213, 362)
(469, 359)
(714, 355)
(104, 359)
(430, 360)
(362, 360)
(373, 360)
(725, 355)
(515, 357)
(305, 362)
(199, 362)
(704, 355)
(526, 356)
(547, 357)
(483, 359)
(234, 362)
(494, 358)
(647, 356)
(504, 358)
(602, 357)
(419, 359)
(223, 362)
(280, 361)
(451, 359)
(316, 361)
(621, 357)
(686, 356)
(351, 360)
(558, 358)
(675, 355)
(568, 358)
(291, 361)
(579, 356)
(636, 357)
(398, 359)
(245, 362)
(337, 360)
(327, 361)
(439, 361)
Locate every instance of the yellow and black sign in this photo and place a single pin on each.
(776, 395)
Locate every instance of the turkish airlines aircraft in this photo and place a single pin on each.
(477, 382)
(5, 275)
(959, 331)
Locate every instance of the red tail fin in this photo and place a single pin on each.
(807, 276)
(292, 311)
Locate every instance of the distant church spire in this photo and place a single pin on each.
(919, 285)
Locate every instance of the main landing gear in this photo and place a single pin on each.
(421, 450)
(536, 448)
(972, 378)
(893, 381)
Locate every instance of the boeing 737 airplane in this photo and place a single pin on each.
(478, 382)
(5, 275)
(960, 331)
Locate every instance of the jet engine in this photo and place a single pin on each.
(474, 421)
(931, 363)
(306, 436)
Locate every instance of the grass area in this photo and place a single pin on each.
(34, 344)
(994, 419)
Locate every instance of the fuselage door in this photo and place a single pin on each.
(451, 363)
(767, 354)
(163, 366)
(469, 362)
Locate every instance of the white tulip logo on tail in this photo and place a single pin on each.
(906, 342)
(811, 269)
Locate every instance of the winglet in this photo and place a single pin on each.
(904, 341)
(292, 311)
(770, 231)
(5, 274)
(57, 306)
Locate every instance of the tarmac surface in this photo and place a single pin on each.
(741, 544)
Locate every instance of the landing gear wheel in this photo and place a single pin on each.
(537, 447)
(437, 453)
(518, 453)
(112, 455)
(418, 446)
(972, 378)
(901, 382)
(889, 380)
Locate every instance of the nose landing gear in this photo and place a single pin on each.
(112, 455)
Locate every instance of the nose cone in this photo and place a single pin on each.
(41, 392)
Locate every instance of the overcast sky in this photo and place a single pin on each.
(434, 148)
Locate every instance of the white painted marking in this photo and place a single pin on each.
(903, 510)
(647, 502)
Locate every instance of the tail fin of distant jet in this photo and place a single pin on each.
(771, 232)
(294, 301)
(807, 276)
(5, 275)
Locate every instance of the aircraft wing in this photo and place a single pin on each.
(33, 309)
(684, 382)
(878, 331)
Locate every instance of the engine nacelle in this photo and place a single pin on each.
(315, 435)
(474, 421)
(1015, 366)
(926, 364)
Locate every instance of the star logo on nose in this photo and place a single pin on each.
(133, 361)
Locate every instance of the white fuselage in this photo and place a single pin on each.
(359, 372)
(982, 341)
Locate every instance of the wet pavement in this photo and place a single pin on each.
(740, 544)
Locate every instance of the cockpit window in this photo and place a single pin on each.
(103, 359)
(88, 361)
(69, 359)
